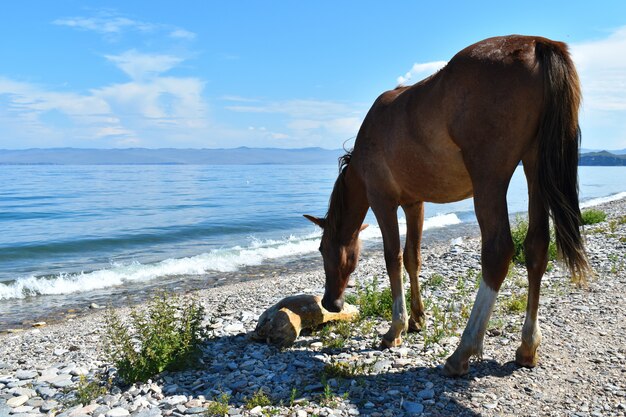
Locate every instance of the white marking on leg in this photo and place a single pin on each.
(474, 333)
(399, 308)
(531, 334)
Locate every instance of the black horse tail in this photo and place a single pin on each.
(559, 142)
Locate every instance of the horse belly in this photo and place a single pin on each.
(435, 174)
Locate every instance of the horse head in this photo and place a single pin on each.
(340, 255)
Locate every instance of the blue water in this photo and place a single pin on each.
(79, 229)
(67, 219)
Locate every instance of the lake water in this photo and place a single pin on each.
(82, 231)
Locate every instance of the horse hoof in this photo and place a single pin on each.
(526, 359)
(454, 368)
(386, 344)
(417, 325)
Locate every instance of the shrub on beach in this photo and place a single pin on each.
(166, 336)
(372, 300)
(518, 233)
(593, 216)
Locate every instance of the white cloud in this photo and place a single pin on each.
(112, 26)
(308, 122)
(601, 66)
(182, 34)
(152, 108)
(160, 108)
(105, 24)
(239, 99)
(299, 108)
(166, 100)
(419, 71)
(138, 65)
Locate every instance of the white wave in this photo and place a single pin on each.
(435, 222)
(441, 220)
(219, 260)
(602, 200)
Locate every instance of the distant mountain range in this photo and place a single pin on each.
(615, 152)
(602, 158)
(236, 156)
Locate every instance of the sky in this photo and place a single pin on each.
(287, 74)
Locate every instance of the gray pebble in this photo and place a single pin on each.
(412, 407)
(26, 374)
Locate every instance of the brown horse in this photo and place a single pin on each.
(461, 133)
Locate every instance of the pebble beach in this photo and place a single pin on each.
(581, 371)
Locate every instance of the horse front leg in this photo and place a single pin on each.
(388, 222)
(497, 251)
(413, 261)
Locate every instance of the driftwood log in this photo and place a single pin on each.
(281, 324)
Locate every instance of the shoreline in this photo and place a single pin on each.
(56, 308)
(585, 326)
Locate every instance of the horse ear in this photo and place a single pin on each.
(316, 220)
(363, 227)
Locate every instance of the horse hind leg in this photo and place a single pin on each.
(496, 255)
(536, 251)
(412, 262)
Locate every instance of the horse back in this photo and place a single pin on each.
(485, 104)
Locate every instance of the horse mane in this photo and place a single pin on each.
(336, 203)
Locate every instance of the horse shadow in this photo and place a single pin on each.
(240, 367)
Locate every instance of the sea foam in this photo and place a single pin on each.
(602, 200)
(219, 260)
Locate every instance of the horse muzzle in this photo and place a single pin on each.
(334, 305)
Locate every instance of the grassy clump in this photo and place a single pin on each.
(516, 303)
(166, 336)
(259, 398)
(436, 280)
(593, 216)
(335, 335)
(372, 301)
(87, 391)
(346, 370)
(518, 233)
(444, 323)
(219, 407)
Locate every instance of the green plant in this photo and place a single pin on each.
(613, 224)
(292, 397)
(443, 323)
(461, 286)
(219, 407)
(475, 276)
(327, 397)
(435, 280)
(334, 335)
(496, 323)
(372, 301)
(259, 398)
(516, 303)
(518, 234)
(346, 370)
(593, 216)
(87, 391)
(166, 336)
(616, 263)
